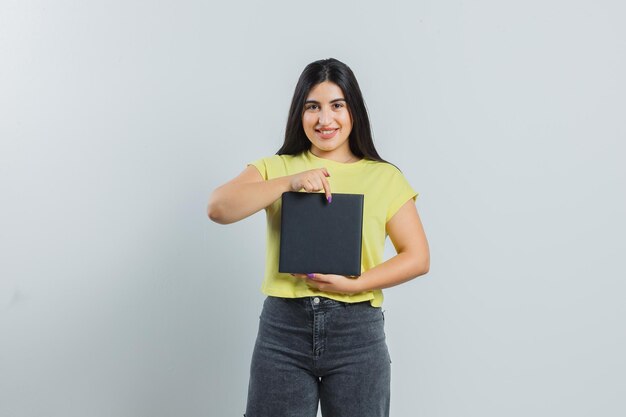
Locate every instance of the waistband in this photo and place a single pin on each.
(317, 302)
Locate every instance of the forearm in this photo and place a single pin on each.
(401, 268)
(233, 202)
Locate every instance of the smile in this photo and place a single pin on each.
(326, 134)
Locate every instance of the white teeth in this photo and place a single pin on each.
(327, 132)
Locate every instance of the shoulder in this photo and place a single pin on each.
(382, 168)
(272, 160)
(277, 165)
(279, 159)
(388, 176)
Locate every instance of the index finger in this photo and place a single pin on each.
(326, 185)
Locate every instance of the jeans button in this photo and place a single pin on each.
(316, 300)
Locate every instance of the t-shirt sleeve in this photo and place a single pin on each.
(261, 165)
(401, 191)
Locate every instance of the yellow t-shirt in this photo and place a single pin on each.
(385, 190)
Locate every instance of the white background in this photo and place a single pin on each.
(118, 297)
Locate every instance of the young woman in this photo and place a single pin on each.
(321, 336)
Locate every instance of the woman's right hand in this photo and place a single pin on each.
(312, 180)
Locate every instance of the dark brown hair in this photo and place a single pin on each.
(360, 139)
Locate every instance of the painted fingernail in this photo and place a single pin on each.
(309, 275)
(330, 199)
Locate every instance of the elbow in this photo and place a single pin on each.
(215, 212)
(219, 215)
(424, 264)
(214, 215)
(420, 270)
(421, 265)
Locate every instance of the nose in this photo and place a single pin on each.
(325, 117)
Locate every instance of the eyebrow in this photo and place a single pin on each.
(317, 102)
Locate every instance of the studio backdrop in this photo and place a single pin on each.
(119, 297)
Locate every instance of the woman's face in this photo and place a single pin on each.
(326, 120)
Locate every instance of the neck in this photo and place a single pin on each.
(344, 159)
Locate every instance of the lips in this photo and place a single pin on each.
(326, 133)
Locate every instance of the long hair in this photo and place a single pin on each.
(360, 139)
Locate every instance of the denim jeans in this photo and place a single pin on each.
(316, 350)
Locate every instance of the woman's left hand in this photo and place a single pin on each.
(331, 283)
